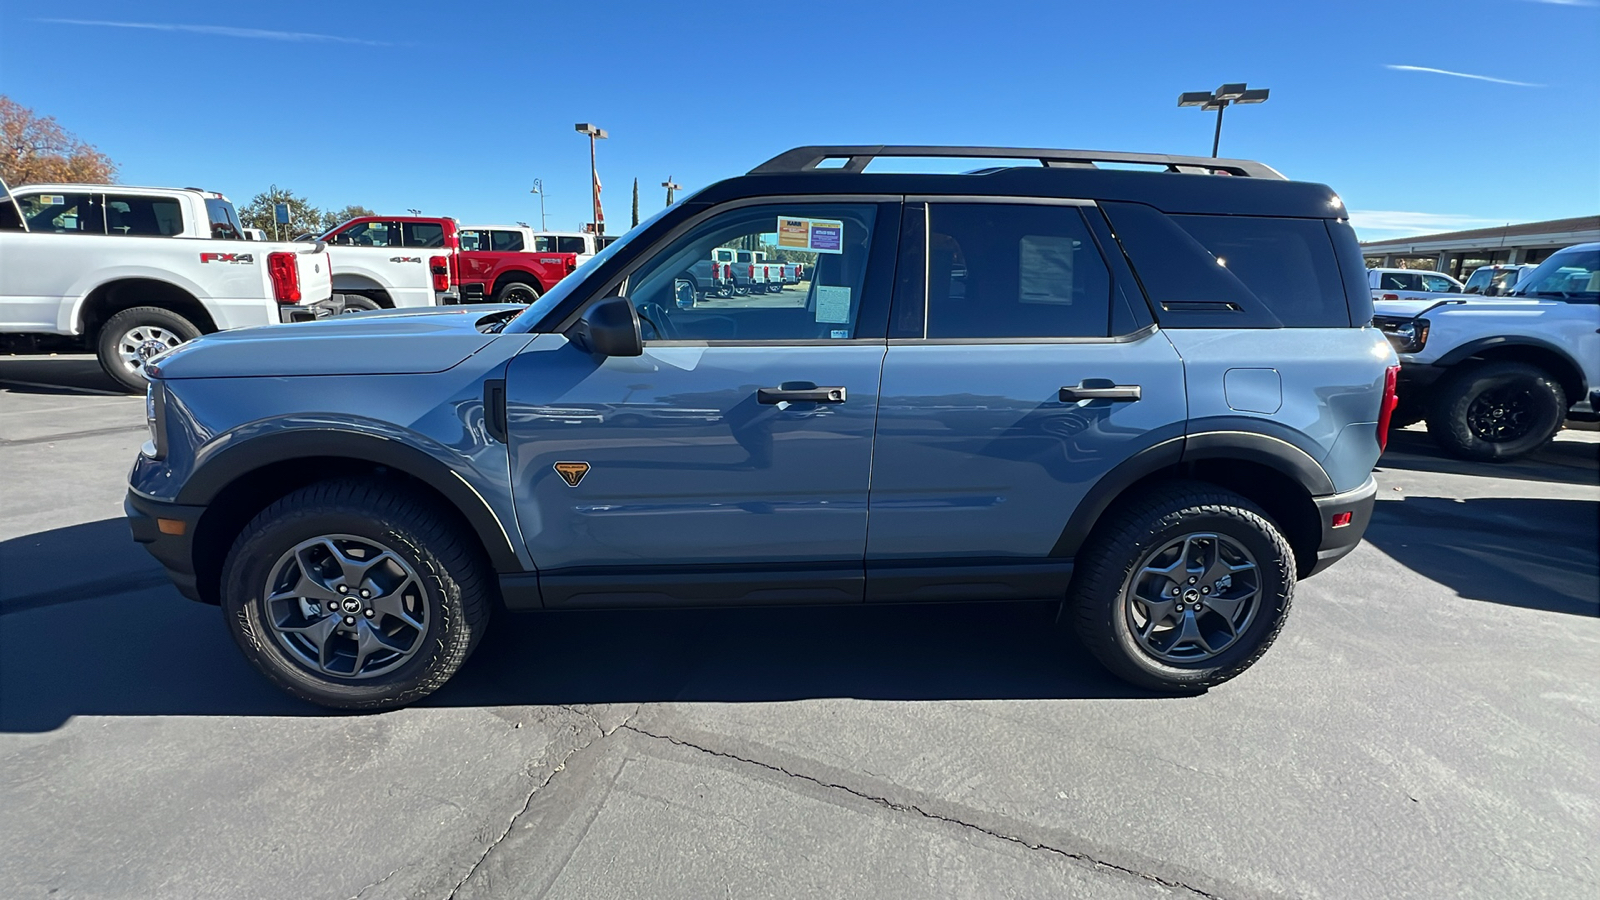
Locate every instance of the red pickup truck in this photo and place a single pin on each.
(401, 261)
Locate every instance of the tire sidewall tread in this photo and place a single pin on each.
(1447, 419)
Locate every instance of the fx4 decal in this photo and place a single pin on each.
(571, 472)
(247, 259)
(404, 259)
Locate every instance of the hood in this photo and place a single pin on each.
(385, 342)
(1473, 302)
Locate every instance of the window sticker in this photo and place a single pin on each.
(52, 199)
(1046, 269)
(812, 235)
(840, 334)
(833, 304)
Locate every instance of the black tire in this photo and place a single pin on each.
(1497, 411)
(358, 303)
(122, 332)
(1104, 613)
(453, 574)
(517, 292)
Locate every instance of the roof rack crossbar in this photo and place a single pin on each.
(857, 157)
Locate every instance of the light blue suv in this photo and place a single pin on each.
(1153, 395)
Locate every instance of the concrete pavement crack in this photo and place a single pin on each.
(527, 802)
(912, 808)
(357, 894)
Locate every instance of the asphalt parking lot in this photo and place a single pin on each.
(1426, 726)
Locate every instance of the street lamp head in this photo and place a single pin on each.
(590, 130)
(1194, 98)
(1259, 95)
(1230, 91)
(1214, 104)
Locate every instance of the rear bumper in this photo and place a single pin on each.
(306, 312)
(1337, 542)
(175, 552)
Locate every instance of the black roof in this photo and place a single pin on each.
(1183, 185)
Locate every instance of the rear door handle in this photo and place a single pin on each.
(801, 392)
(1102, 389)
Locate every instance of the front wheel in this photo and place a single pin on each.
(1186, 587)
(1497, 411)
(355, 595)
(131, 337)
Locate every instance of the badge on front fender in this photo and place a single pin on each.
(571, 472)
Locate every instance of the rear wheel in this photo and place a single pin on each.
(1184, 588)
(356, 303)
(131, 337)
(1497, 411)
(517, 292)
(355, 595)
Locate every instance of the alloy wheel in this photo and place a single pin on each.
(1192, 598)
(141, 342)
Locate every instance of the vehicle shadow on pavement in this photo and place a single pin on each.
(1563, 461)
(1536, 553)
(89, 626)
(53, 374)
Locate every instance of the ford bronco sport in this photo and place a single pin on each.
(1153, 395)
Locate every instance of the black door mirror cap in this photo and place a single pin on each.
(610, 327)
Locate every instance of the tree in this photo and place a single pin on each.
(636, 203)
(303, 217)
(334, 218)
(37, 149)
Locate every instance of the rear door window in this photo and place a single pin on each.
(1401, 281)
(423, 234)
(1437, 284)
(571, 245)
(506, 241)
(143, 216)
(224, 220)
(62, 213)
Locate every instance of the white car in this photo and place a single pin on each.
(1410, 284)
(136, 271)
(1495, 377)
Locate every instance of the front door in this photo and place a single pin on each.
(1023, 371)
(730, 462)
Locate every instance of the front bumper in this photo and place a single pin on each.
(167, 531)
(1337, 542)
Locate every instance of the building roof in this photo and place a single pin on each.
(1555, 232)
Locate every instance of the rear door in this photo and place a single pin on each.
(731, 461)
(1021, 368)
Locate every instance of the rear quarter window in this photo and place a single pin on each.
(1210, 271)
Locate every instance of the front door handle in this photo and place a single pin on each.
(1100, 389)
(801, 392)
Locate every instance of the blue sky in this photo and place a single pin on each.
(455, 109)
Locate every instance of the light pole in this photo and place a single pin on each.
(414, 212)
(1219, 100)
(670, 188)
(594, 132)
(538, 188)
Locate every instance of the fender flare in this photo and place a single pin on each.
(509, 275)
(230, 464)
(70, 320)
(1473, 348)
(1276, 453)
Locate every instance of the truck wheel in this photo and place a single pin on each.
(357, 303)
(1183, 588)
(355, 595)
(517, 292)
(132, 336)
(1497, 411)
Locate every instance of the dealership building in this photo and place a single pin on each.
(1459, 252)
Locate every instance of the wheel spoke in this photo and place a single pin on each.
(393, 603)
(1228, 607)
(307, 588)
(370, 640)
(1189, 633)
(319, 633)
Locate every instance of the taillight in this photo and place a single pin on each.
(1390, 297)
(1391, 399)
(572, 264)
(285, 277)
(752, 273)
(440, 266)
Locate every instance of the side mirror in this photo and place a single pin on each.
(610, 328)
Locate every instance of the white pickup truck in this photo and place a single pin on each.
(132, 271)
(390, 262)
(1411, 284)
(1495, 377)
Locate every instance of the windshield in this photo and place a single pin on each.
(1572, 274)
(552, 298)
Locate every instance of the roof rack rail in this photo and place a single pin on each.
(808, 159)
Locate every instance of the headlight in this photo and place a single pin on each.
(155, 409)
(1407, 335)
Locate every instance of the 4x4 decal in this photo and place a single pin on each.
(405, 259)
(246, 259)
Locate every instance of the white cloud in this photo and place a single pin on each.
(222, 31)
(1461, 75)
(1567, 2)
(1383, 224)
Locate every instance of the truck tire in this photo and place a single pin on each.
(1183, 588)
(132, 336)
(354, 594)
(1497, 411)
(518, 292)
(358, 303)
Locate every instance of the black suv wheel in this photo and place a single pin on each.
(1497, 411)
(1183, 588)
(354, 595)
